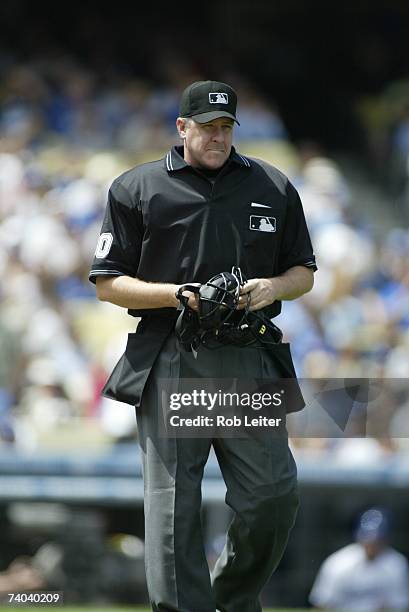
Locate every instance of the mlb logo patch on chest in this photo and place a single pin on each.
(262, 223)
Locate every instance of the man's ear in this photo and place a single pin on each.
(181, 126)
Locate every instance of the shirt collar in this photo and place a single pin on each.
(174, 159)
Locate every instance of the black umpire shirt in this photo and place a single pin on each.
(168, 222)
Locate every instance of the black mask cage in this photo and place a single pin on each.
(218, 299)
(217, 320)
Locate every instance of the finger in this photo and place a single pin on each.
(249, 286)
(193, 304)
(257, 305)
(194, 301)
(244, 301)
(244, 290)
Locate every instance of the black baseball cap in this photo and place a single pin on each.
(204, 101)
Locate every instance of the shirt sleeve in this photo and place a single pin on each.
(397, 593)
(324, 592)
(119, 244)
(296, 248)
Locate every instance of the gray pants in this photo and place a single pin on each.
(260, 476)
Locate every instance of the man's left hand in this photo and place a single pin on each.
(262, 291)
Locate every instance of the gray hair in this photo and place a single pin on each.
(188, 120)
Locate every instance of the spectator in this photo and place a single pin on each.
(367, 574)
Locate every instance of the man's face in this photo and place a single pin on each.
(372, 549)
(206, 145)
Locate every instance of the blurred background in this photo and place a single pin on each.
(87, 92)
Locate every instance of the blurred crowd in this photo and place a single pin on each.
(64, 136)
(77, 552)
(385, 117)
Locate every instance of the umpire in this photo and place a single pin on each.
(183, 219)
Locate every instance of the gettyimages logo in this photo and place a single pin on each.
(221, 408)
(218, 98)
(309, 407)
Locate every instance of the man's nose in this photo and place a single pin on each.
(217, 135)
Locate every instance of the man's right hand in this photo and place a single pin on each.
(193, 302)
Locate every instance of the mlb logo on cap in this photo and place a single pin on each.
(218, 98)
(208, 100)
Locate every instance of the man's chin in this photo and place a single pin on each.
(214, 160)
